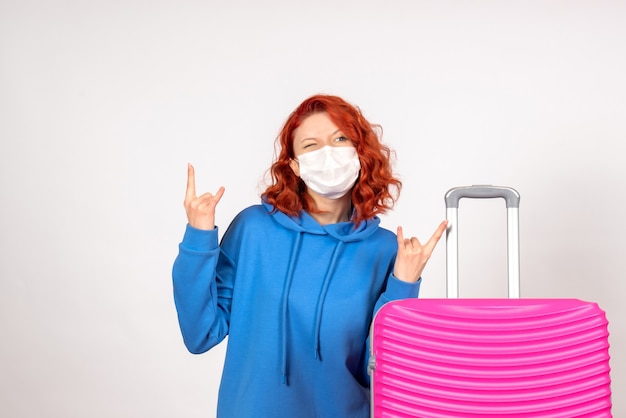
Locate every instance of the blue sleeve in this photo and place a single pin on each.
(202, 299)
(395, 289)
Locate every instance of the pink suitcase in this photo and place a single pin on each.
(468, 358)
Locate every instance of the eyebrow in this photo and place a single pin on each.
(333, 134)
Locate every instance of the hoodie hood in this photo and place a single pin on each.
(342, 231)
(304, 223)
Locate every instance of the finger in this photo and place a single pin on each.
(400, 236)
(442, 228)
(209, 199)
(190, 193)
(208, 196)
(219, 194)
(432, 242)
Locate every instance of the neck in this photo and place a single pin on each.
(332, 211)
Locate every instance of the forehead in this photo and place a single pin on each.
(314, 126)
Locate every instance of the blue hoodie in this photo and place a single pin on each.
(295, 299)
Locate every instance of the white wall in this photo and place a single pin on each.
(102, 104)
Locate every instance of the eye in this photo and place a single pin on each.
(341, 139)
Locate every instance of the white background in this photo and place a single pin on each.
(103, 103)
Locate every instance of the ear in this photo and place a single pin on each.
(295, 167)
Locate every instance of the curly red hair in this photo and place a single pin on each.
(376, 189)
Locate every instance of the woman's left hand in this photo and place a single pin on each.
(413, 256)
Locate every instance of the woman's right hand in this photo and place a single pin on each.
(200, 209)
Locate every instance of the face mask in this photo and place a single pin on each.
(330, 171)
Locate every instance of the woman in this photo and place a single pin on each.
(296, 280)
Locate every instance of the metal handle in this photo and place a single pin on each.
(512, 197)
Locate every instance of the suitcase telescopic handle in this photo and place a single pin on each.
(452, 198)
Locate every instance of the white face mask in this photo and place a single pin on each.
(330, 171)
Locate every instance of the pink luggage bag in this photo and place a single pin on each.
(469, 358)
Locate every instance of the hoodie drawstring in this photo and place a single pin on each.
(285, 305)
(318, 309)
(322, 297)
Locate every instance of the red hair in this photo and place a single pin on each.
(376, 189)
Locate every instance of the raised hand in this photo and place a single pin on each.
(201, 209)
(413, 256)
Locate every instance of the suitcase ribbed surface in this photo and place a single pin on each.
(491, 358)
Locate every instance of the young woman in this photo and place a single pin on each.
(296, 280)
